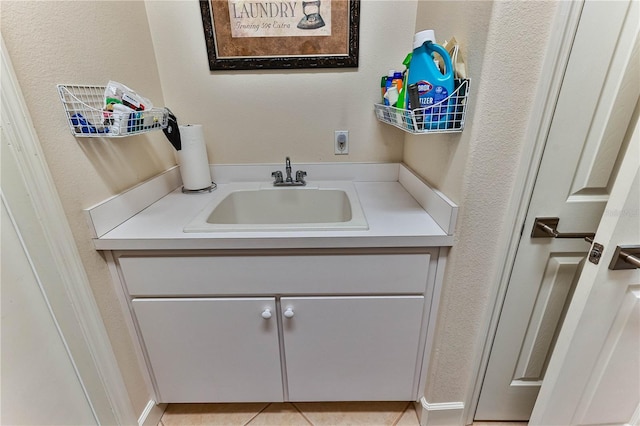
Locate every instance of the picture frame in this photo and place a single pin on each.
(281, 34)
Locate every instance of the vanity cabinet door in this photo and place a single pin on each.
(212, 349)
(352, 348)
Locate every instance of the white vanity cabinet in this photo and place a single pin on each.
(314, 325)
(352, 348)
(206, 349)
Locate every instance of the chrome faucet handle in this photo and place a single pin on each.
(300, 175)
(277, 176)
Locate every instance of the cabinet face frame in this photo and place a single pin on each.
(432, 288)
(326, 272)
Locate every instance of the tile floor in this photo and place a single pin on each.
(298, 414)
(292, 414)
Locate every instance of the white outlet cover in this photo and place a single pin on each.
(341, 142)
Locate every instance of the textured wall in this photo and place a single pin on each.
(253, 117)
(262, 116)
(89, 43)
(441, 158)
(249, 116)
(478, 169)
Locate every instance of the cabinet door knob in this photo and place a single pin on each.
(289, 312)
(266, 314)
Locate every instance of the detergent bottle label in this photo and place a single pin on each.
(431, 95)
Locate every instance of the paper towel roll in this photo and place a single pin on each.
(194, 164)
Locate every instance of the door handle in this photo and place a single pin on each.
(625, 257)
(547, 227)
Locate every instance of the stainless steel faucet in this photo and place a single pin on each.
(280, 180)
(287, 169)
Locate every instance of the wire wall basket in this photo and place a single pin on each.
(88, 117)
(447, 116)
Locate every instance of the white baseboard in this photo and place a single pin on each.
(151, 414)
(440, 414)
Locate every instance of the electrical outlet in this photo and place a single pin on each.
(341, 142)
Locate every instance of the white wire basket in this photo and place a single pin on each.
(450, 113)
(87, 117)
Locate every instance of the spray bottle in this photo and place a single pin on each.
(402, 99)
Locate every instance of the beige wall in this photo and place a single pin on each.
(262, 116)
(157, 47)
(441, 158)
(249, 117)
(478, 168)
(79, 42)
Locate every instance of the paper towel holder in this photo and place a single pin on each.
(172, 132)
(199, 191)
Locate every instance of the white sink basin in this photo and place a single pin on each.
(262, 207)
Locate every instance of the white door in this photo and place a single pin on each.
(39, 382)
(212, 350)
(595, 105)
(352, 348)
(52, 333)
(594, 373)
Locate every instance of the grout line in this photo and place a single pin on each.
(257, 414)
(301, 413)
(401, 414)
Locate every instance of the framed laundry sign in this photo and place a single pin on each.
(280, 34)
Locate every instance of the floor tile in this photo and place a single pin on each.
(352, 413)
(409, 417)
(279, 414)
(210, 414)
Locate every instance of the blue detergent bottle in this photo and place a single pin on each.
(433, 86)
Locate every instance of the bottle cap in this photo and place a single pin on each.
(423, 36)
(407, 59)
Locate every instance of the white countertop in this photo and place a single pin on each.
(394, 217)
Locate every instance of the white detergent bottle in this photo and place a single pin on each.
(433, 87)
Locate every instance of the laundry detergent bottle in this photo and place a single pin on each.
(434, 87)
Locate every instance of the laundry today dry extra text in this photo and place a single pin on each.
(241, 10)
(264, 25)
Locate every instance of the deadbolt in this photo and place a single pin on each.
(596, 253)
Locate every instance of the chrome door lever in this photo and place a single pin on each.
(625, 257)
(547, 227)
